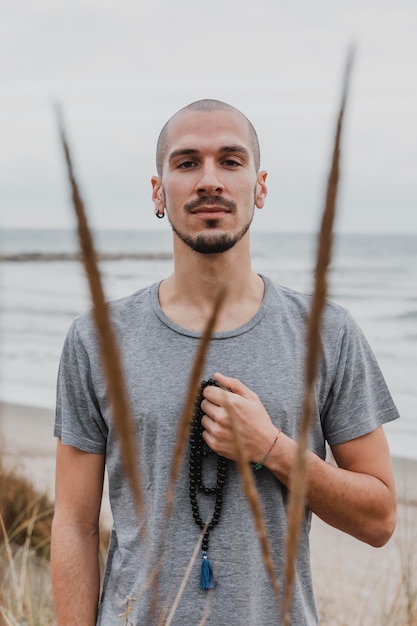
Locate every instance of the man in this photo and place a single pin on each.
(209, 184)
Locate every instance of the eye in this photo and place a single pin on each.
(185, 165)
(231, 163)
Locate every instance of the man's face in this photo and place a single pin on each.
(209, 185)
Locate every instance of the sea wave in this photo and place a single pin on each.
(403, 316)
(408, 315)
(33, 257)
(31, 311)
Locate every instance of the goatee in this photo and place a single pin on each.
(215, 243)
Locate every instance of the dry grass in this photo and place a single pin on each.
(25, 537)
(25, 532)
(391, 601)
(25, 586)
(20, 506)
(298, 482)
(111, 360)
(252, 495)
(183, 432)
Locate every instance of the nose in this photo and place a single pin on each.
(209, 180)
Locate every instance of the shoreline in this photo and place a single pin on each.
(350, 577)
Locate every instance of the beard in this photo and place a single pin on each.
(215, 243)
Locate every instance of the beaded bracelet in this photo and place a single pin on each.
(259, 464)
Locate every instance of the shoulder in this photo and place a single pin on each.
(122, 311)
(298, 305)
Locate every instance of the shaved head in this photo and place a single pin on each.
(205, 106)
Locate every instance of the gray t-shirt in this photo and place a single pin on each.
(267, 354)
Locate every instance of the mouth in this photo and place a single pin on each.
(210, 206)
(210, 211)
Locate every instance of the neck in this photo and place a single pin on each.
(188, 295)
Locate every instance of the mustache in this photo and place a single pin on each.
(212, 201)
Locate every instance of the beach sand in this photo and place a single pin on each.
(353, 581)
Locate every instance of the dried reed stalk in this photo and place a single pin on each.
(298, 481)
(109, 350)
(183, 431)
(205, 617)
(248, 482)
(185, 578)
(10, 559)
(252, 495)
(190, 400)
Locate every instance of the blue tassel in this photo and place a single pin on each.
(207, 579)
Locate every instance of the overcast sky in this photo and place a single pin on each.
(120, 68)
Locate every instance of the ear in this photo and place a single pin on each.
(261, 189)
(158, 194)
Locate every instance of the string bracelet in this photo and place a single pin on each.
(257, 466)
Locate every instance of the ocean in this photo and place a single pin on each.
(42, 289)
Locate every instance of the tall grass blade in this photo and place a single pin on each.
(182, 438)
(252, 495)
(6, 619)
(109, 350)
(190, 400)
(24, 566)
(13, 572)
(184, 430)
(185, 578)
(298, 481)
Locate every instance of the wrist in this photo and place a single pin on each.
(281, 459)
(257, 465)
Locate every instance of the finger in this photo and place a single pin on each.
(209, 439)
(210, 408)
(207, 423)
(215, 439)
(214, 394)
(210, 426)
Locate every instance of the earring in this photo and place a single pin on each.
(158, 214)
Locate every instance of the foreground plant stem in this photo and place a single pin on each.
(111, 359)
(298, 480)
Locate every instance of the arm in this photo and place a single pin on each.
(357, 496)
(75, 536)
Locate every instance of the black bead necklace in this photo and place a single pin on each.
(199, 451)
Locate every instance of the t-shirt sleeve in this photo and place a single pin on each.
(78, 419)
(358, 401)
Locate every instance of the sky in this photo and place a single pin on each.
(120, 68)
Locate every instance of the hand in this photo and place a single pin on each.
(235, 407)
